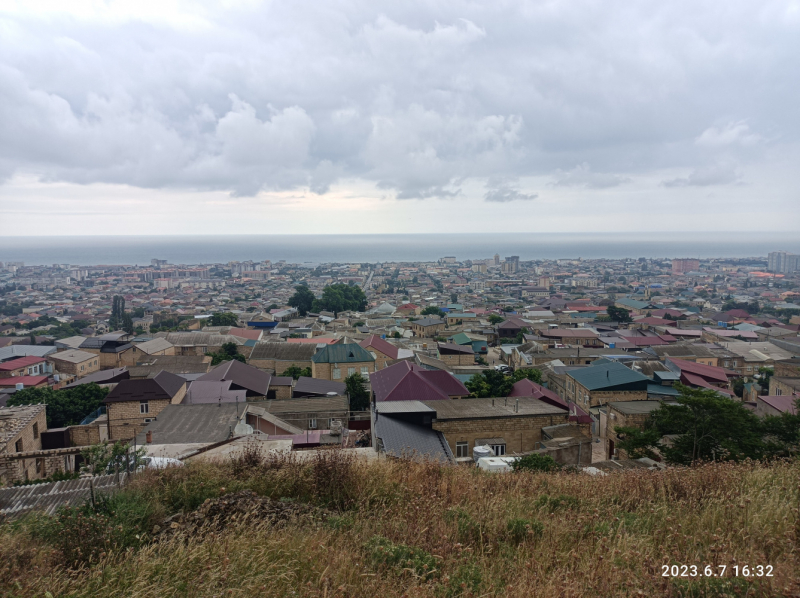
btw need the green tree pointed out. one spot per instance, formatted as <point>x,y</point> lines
<point>296,371</point>
<point>127,323</point>
<point>396,334</point>
<point>529,373</point>
<point>65,407</point>
<point>359,396</point>
<point>341,297</point>
<point>432,310</point>
<point>738,387</point>
<point>117,312</point>
<point>302,300</point>
<point>453,298</point>
<point>765,375</point>
<point>223,319</point>
<point>618,314</point>
<point>535,462</point>
<point>637,443</point>
<point>705,425</point>
<point>489,383</point>
<point>495,319</point>
<point>227,352</point>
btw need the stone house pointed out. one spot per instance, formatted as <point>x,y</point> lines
<point>133,404</point>
<point>788,368</point>
<point>427,327</point>
<point>156,346</point>
<point>75,362</point>
<point>599,384</point>
<point>20,432</point>
<point>780,386</point>
<point>508,425</point>
<point>276,357</point>
<point>381,349</point>
<point>24,366</point>
<point>454,355</point>
<point>255,382</point>
<point>337,362</point>
<point>767,405</point>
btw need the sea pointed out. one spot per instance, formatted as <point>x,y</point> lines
<point>315,249</point>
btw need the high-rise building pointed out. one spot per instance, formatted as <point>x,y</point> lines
<point>782,262</point>
<point>496,259</point>
<point>511,265</point>
<point>682,266</point>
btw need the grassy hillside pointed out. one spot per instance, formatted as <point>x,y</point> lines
<point>339,527</point>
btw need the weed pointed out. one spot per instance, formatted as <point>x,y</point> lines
<point>557,503</point>
<point>520,530</point>
<point>383,552</point>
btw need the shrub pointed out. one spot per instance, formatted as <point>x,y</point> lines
<point>519,530</point>
<point>465,581</point>
<point>535,462</point>
<point>383,552</point>
<point>467,529</point>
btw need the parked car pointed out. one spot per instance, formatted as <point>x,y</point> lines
<point>503,368</point>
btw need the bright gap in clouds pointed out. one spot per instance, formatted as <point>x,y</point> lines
<point>246,116</point>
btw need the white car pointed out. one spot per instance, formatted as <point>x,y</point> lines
<point>502,368</point>
<point>159,462</point>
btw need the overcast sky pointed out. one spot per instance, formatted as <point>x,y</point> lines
<point>159,116</point>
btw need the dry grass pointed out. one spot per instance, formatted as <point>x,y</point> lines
<point>404,529</point>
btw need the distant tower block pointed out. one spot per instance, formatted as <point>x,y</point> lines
<point>496,259</point>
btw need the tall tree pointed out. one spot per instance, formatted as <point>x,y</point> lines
<point>618,314</point>
<point>65,407</point>
<point>302,300</point>
<point>359,396</point>
<point>223,319</point>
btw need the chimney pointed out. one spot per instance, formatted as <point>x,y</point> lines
<point>149,437</point>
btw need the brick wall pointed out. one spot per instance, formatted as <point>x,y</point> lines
<point>125,419</point>
<point>459,359</point>
<point>784,369</point>
<point>621,420</point>
<point>277,365</point>
<point>79,370</point>
<point>25,469</point>
<point>783,387</point>
<point>84,435</point>
<point>520,433</point>
<point>324,371</point>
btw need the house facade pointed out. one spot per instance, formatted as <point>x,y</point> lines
<point>337,362</point>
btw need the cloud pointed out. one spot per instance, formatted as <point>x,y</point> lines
<point>582,176</point>
<point>729,134</point>
<point>503,191</point>
<point>717,174</point>
<point>424,101</point>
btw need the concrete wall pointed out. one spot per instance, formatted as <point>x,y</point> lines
<point>25,469</point>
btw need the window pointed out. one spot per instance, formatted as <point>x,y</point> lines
<point>499,449</point>
<point>337,374</point>
<point>778,392</point>
<point>95,362</point>
<point>35,431</point>
<point>312,423</point>
<point>147,420</point>
<point>18,445</point>
<point>81,368</point>
<point>351,371</point>
<point>144,407</point>
<point>364,370</point>
<point>462,449</point>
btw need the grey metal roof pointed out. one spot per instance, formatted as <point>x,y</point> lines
<point>284,351</point>
<point>73,356</point>
<point>404,439</point>
<point>19,500</point>
<point>403,407</point>
<point>25,351</point>
<point>317,386</point>
<point>102,377</point>
<point>182,424</point>
<point>609,375</point>
<point>636,407</point>
<point>154,346</point>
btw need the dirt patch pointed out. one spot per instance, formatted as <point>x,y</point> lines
<point>236,509</point>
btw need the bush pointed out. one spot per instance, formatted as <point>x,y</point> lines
<point>535,462</point>
<point>467,529</point>
<point>519,530</point>
<point>465,581</point>
<point>382,552</point>
<point>556,503</point>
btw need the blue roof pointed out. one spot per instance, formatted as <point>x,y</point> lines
<point>658,389</point>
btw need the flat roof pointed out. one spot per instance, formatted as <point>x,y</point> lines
<point>483,408</point>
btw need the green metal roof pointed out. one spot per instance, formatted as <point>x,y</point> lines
<point>633,303</point>
<point>350,353</point>
<point>610,376</point>
<point>461,339</point>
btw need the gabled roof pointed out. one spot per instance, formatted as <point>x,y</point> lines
<point>24,380</point>
<point>407,381</point>
<point>22,362</point>
<point>349,353</point>
<point>529,388</point>
<point>253,380</point>
<point>449,348</point>
<point>428,322</point>
<point>102,377</point>
<point>404,439</point>
<point>317,386</point>
<point>283,351</point>
<point>381,345</point>
<point>709,372</point>
<point>609,375</point>
<point>154,346</point>
<point>163,387</point>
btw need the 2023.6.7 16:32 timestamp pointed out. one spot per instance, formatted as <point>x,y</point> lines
<point>716,571</point>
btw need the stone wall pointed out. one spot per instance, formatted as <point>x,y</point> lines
<point>520,433</point>
<point>125,419</point>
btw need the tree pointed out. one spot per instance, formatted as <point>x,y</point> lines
<point>228,352</point>
<point>765,375</point>
<point>535,462</point>
<point>296,371</point>
<point>223,319</point>
<point>618,314</point>
<point>453,298</point>
<point>529,373</point>
<point>495,319</point>
<point>432,310</point>
<point>117,312</point>
<point>341,297</point>
<point>738,387</point>
<point>637,443</point>
<point>359,396</point>
<point>706,426</point>
<point>127,323</point>
<point>489,383</point>
<point>396,334</point>
<point>302,300</point>
<point>65,407</point>
<point>272,306</point>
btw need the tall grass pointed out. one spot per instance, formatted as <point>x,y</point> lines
<point>415,529</point>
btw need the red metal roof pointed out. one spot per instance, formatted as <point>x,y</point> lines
<point>708,372</point>
<point>26,380</point>
<point>406,381</point>
<point>379,344</point>
<point>21,362</point>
